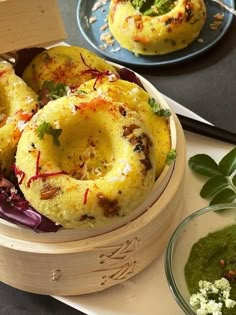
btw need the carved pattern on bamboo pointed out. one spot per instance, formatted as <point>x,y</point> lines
<point>120,264</point>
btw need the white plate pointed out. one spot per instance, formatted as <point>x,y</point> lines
<point>148,292</point>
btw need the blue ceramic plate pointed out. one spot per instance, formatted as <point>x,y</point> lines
<point>92,33</point>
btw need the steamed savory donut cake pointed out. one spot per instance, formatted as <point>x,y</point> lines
<point>85,161</point>
<point>136,99</point>
<point>17,105</point>
<point>156,27</point>
<point>71,65</point>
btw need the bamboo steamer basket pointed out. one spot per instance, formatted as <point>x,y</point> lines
<point>71,262</point>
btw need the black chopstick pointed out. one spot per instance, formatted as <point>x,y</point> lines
<point>207,130</point>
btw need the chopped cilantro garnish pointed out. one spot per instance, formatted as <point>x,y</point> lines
<point>171,156</point>
<point>156,108</point>
<point>51,91</point>
<point>80,92</point>
<point>46,128</point>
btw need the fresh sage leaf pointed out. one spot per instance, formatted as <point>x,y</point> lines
<point>203,164</point>
<point>214,185</point>
<point>228,164</point>
<point>224,196</point>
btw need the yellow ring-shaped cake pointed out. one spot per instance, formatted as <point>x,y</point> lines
<point>17,105</point>
<point>159,34</point>
<point>71,65</point>
<point>85,161</point>
<point>136,99</point>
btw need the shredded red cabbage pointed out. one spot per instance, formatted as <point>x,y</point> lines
<point>24,57</point>
<point>14,208</point>
<point>129,75</point>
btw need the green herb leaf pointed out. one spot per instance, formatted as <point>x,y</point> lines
<point>224,196</point>
<point>51,91</point>
<point>46,128</point>
<point>156,108</point>
<point>234,180</point>
<point>80,92</point>
<point>171,156</point>
<point>221,187</point>
<point>203,164</point>
<point>228,164</point>
<point>214,185</point>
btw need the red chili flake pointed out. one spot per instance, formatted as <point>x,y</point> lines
<point>3,72</point>
<point>42,175</point>
<point>25,116</point>
<point>98,74</point>
<point>188,10</point>
<point>77,107</point>
<point>19,172</point>
<point>138,20</point>
<point>86,196</point>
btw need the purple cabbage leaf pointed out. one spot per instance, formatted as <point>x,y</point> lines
<point>14,208</point>
<point>128,75</point>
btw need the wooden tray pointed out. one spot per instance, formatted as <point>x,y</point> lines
<point>38,20</point>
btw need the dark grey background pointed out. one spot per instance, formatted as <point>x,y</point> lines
<point>205,85</point>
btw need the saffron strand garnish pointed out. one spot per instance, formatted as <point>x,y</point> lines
<point>86,196</point>
<point>19,173</point>
<point>42,175</point>
<point>37,163</point>
<point>98,74</point>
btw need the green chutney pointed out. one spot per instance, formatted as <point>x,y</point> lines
<point>212,258</point>
<point>153,7</point>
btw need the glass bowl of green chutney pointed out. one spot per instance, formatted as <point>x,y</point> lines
<point>200,261</point>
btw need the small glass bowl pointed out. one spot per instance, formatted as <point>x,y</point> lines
<point>197,225</point>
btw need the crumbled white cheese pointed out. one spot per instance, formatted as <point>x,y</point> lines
<point>124,171</point>
<point>114,50</point>
<point>21,125</point>
<point>92,19</point>
<point>28,100</point>
<point>126,167</point>
<point>221,288</point>
<point>57,124</point>
<point>72,108</point>
<point>135,90</point>
<point>99,91</point>
<point>103,27</point>
<point>107,38</point>
<point>112,77</point>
